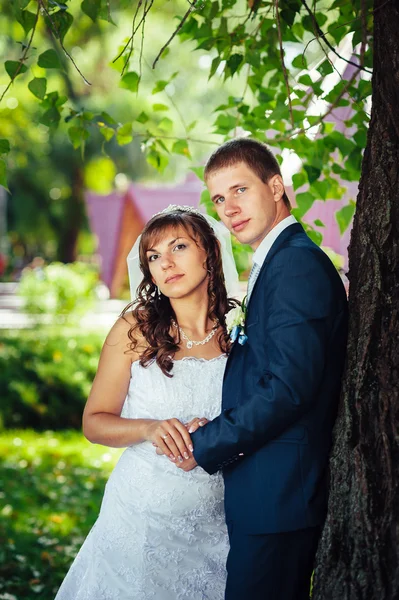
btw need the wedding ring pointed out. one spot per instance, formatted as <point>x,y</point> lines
<point>165,436</point>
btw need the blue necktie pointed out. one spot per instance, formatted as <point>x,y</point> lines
<point>253,276</point>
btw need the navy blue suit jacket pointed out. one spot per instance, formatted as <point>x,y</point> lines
<point>281,392</point>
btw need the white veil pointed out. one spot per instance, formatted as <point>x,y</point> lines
<point>223,236</point>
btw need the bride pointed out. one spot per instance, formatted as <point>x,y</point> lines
<point>161,532</point>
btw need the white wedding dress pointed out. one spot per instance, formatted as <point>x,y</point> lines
<point>161,533</point>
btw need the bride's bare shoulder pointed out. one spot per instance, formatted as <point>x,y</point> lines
<point>119,337</point>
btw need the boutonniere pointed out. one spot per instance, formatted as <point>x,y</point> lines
<point>235,323</point>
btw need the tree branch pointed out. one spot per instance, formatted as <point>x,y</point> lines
<point>321,119</point>
<point>130,40</point>
<point>184,19</point>
<point>285,72</point>
<point>57,35</point>
<point>321,34</point>
<point>24,54</point>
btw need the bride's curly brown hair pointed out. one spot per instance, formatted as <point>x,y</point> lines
<point>153,313</point>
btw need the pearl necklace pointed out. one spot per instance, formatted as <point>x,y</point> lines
<point>191,343</point>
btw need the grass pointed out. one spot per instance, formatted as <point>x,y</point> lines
<point>51,489</point>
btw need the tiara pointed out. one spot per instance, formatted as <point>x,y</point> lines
<point>174,207</point>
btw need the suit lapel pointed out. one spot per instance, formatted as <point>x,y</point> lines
<point>282,238</point>
<point>284,235</point>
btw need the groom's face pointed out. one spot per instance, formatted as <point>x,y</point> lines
<point>249,207</point>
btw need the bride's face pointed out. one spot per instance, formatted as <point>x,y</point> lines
<point>178,264</point>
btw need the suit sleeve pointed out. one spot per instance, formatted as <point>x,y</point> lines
<point>298,300</point>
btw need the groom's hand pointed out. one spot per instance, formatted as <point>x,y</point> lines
<point>187,465</point>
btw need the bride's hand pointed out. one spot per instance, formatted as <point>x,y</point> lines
<point>171,438</point>
<point>195,423</point>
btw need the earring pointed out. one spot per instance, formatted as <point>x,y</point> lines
<point>159,292</point>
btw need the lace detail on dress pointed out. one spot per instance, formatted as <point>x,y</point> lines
<point>161,533</point>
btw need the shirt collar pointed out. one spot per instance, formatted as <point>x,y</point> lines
<point>263,249</point>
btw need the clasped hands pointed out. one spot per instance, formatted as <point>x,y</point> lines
<point>172,438</point>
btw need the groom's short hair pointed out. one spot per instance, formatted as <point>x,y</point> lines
<point>253,153</point>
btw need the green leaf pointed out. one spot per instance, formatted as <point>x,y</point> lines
<point>234,63</point>
<point>206,201</point>
<point>199,171</point>
<point>345,145</point>
<point>325,68</point>
<point>49,60</point>
<point>181,147</point>
<point>315,236</point>
<point>51,117</point>
<point>107,132</point>
<point>300,62</point>
<point>319,223</point>
<point>124,134</point>
<point>306,80</point>
<point>14,68</point>
<point>61,21</point>
<point>360,138</point>
<point>91,8</point>
<point>104,116</point>
<point>288,16</point>
<point>27,20</point>
<point>78,135</point>
<point>304,202</point>
<point>298,180</point>
<point>159,86</point>
<point>166,124</point>
<point>344,216</point>
<point>321,188</point>
<point>130,81</point>
<point>157,160</point>
<point>38,87</point>
<point>225,123</point>
<point>159,107</point>
<point>4,146</point>
<point>215,63</point>
<point>3,173</point>
<point>312,172</point>
<point>142,118</point>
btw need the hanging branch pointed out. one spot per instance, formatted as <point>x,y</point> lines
<point>56,34</point>
<point>130,40</point>
<point>322,117</point>
<point>24,55</point>
<point>285,72</point>
<point>184,19</point>
<point>321,34</point>
<point>142,47</point>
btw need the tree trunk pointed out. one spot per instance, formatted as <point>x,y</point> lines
<point>359,550</point>
<point>74,220</point>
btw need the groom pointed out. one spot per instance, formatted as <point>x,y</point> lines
<point>281,388</point>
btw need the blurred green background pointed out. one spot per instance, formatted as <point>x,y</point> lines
<point>61,137</point>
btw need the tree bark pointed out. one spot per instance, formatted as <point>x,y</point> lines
<point>74,220</point>
<point>359,550</point>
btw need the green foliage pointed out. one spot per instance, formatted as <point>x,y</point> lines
<point>264,93</point>
<point>52,485</point>
<point>344,216</point>
<point>45,376</point>
<point>59,291</point>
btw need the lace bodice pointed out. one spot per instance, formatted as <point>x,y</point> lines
<point>161,532</point>
<point>191,391</point>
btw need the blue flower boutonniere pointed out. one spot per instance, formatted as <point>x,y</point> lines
<point>235,323</point>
